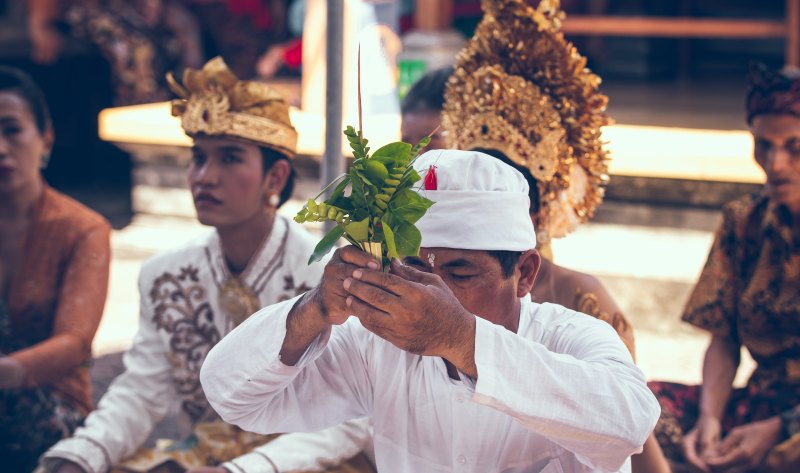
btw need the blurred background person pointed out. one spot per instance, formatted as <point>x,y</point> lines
<point>142,40</point>
<point>748,295</point>
<point>422,107</point>
<point>251,35</point>
<point>54,265</point>
<point>285,57</point>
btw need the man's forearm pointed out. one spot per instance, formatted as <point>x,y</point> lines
<point>462,353</point>
<point>303,325</point>
<point>719,370</point>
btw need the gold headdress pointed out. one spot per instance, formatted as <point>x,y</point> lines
<point>213,101</point>
<point>520,88</point>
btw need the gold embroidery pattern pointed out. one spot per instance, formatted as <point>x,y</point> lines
<point>237,300</point>
<point>181,309</point>
<point>588,303</point>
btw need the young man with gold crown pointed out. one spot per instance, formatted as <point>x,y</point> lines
<point>192,296</point>
<point>458,368</point>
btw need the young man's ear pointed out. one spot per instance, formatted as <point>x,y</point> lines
<point>277,176</point>
<point>527,268</point>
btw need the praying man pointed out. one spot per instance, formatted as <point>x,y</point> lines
<point>457,367</point>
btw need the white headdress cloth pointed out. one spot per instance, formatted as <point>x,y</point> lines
<point>481,203</point>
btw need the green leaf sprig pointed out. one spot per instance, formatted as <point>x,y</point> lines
<point>379,212</point>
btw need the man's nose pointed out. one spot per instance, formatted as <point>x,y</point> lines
<point>208,173</point>
<point>779,160</point>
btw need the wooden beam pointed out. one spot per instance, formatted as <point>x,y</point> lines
<point>677,27</point>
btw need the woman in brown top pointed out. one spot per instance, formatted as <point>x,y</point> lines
<point>54,262</point>
<point>748,295</point>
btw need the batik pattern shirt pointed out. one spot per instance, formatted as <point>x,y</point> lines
<point>749,290</point>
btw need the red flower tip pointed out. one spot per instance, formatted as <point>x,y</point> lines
<point>430,179</point>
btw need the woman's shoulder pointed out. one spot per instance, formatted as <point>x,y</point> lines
<point>76,218</point>
<point>589,296</point>
<point>575,282</point>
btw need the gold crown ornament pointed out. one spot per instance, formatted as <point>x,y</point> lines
<point>520,88</point>
<point>213,101</point>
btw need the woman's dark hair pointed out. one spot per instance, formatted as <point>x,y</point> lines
<point>269,157</point>
<point>427,93</point>
<point>15,81</point>
<point>533,189</point>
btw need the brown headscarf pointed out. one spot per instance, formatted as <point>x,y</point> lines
<point>773,92</point>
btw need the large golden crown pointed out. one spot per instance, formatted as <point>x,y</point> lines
<point>520,88</point>
<point>213,101</point>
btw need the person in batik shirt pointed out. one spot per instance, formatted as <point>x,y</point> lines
<point>748,295</point>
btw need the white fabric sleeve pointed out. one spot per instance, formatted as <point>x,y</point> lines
<point>581,390</point>
<point>303,452</point>
<point>126,414</point>
<point>247,384</point>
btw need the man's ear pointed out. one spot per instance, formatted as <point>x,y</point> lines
<point>527,268</point>
<point>277,176</point>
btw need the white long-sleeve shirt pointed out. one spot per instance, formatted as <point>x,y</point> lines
<point>560,395</point>
<point>182,317</point>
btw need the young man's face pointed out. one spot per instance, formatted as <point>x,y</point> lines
<point>227,180</point>
<point>777,151</point>
<point>477,280</point>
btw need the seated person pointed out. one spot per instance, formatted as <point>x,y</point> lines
<point>748,295</point>
<point>54,263</point>
<point>192,296</point>
<point>454,363</point>
<point>140,39</point>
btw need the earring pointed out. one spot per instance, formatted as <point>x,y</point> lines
<point>45,160</point>
<point>274,200</point>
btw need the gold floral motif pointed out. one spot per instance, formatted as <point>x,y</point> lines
<point>588,303</point>
<point>181,309</point>
<point>519,87</point>
<point>237,300</point>
<point>213,101</point>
